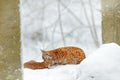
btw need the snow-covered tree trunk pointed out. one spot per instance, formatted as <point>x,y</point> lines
<point>111,21</point>
<point>9,40</point>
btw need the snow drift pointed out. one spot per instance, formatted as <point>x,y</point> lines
<point>103,64</point>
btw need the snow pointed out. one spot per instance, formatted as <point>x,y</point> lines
<point>102,64</point>
<point>66,72</point>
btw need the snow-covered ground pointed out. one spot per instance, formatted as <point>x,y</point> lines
<point>102,64</point>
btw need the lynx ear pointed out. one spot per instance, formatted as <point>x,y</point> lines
<point>42,51</point>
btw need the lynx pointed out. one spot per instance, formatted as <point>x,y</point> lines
<point>59,56</point>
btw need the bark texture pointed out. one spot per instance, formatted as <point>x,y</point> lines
<point>9,40</point>
<point>111,21</point>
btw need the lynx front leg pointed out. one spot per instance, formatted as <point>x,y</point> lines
<point>35,65</point>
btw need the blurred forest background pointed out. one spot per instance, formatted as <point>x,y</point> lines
<point>48,24</point>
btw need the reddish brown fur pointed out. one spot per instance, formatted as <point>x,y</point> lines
<point>35,65</point>
<point>60,56</point>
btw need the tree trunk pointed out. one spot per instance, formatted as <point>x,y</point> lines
<point>111,21</point>
<point>9,40</point>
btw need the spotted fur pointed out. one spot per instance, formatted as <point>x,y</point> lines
<point>59,56</point>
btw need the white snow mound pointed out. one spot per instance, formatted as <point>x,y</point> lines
<point>103,64</point>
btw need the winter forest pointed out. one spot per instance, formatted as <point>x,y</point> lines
<point>92,25</point>
<point>49,24</point>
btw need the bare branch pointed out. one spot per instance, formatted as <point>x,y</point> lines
<point>90,26</point>
<point>63,5</point>
<point>60,22</point>
<point>53,32</point>
<point>42,22</point>
<point>93,25</point>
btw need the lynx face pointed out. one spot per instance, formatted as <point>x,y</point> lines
<point>46,57</point>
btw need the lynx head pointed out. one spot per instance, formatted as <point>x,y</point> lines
<point>46,56</point>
